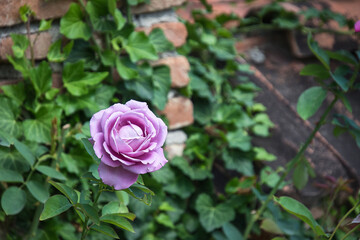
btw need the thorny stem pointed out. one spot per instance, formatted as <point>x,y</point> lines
<point>289,167</point>
<point>343,219</point>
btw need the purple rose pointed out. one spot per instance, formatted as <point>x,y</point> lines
<point>128,140</point>
<point>357,26</point>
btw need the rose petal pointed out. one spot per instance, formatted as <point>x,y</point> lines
<point>101,152</point>
<point>117,177</point>
<point>115,157</point>
<point>133,104</point>
<point>95,123</point>
<point>116,108</point>
<point>158,158</point>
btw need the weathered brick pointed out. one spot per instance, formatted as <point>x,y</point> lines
<point>156,5</point>
<point>175,32</point>
<point>9,11</point>
<point>41,45</point>
<point>179,68</point>
<point>174,150</point>
<point>179,111</point>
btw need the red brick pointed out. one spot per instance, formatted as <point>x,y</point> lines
<point>156,5</point>
<point>9,11</point>
<point>179,111</point>
<point>175,32</point>
<point>41,45</point>
<point>179,68</point>
<point>249,43</point>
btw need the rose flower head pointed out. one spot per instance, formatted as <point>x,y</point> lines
<point>357,26</point>
<point>128,139</point>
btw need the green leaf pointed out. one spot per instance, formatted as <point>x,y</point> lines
<point>224,49</point>
<point>45,25</point>
<point>51,172</point>
<point>25,13</point>
<point>339,77</point>
<point>343,56</point>
<point>69,163</point>
<point>15,92</point>
<point>211,216</point>
<point>38,190</point>
<point>238,161</point>
<point>20,44</point>
<point>297,209</point>
<point>66,190</point>
<point>239,140</point>
<point>165,220</point>
<point>117,220</point>
<point>310,101</point>
<point>105,229</point>
<point>139,47</point>
<point>5,139</point>
<point>162,82</point>
<point>20,64</point>
<point>7,175</point>
<point>125,69</point>
<point>11,159</point>
<point>231,232</point>
<point>54,206</point>
<point>108,57</point>
<point>39,129</point>
<point>193,172</point>
<point>318,52</point>
<point>13,200</point>
<point>159,41</point>
<point>141,193</point>
<point>40,77</point>
<point>72,24</point>
<point>262,155</point>
<point>315,70</point>
<point>25,152</point>
<point>300,176</point>
<point>77,81</point>
<point>8,122</point>
<point>91,212</point>
<point>90,150</point>
<point>55,54</point>
<point>50,95</point>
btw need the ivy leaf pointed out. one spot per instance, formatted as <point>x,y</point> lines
<point>11,159</point>
<point>55,54</point>
<point>310,101</point>
<point>139,47</point>
<point>13,200</point>
<point>162,82</point>
<point>40,77</point>
<point>238,161</point>
<point>224,49</point>
<point>8,122</point>
<point>54,206</point>
<point>20,44</point>
<point>99,16</point>
<point>165,220</point>
<point>296,208</point>
<point>239,140</point>
<point>193,172</point>
<point>72,24</point>
<point>38,190</point>
<point>39,129</point>
<point>159,41</point>
<point>213,216</point>
<point>45,25</point>
<point>126,69</point>
<point>77,81</point>
<point>20,64</point>
<point>231,232</point>
<point>15,92</point>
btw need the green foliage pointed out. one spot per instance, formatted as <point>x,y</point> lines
<point>310,101</point>
<point>13,200</point>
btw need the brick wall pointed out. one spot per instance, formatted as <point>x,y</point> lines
<point>156,14</point>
